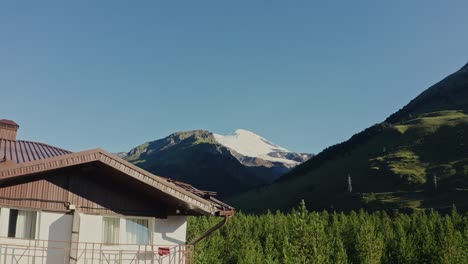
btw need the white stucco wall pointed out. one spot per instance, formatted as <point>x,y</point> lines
<point>53,232</point>
<point>90,228</point>
<point>170,231</point>
<point>49,225</point>
<point>4,213</point>
<point>53,227</point>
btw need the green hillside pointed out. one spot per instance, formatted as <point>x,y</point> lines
<point>417,158</point>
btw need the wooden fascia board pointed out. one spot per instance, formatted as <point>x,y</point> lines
<point>113,161</point>
<point>155,181</point>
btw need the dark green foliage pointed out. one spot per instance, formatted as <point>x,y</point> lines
<point>312,237</point>
<point>337,151</point>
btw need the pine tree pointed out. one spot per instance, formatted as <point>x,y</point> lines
<point>402,247</point>
<point>338,252</point>
<point>269,250</point>
<point>312,237</point>
<point>451,244</point>
<point>369,244</point>
<point>250,252</point>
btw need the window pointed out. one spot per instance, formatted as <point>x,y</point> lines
<point>111,230</point>
<point>22,224</point>
<point>137,231</point>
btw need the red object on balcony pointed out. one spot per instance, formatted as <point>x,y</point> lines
<point>164,251</point>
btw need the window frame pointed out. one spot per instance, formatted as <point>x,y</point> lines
<point>119,233</point>
<point>36,223</point>
<point>150,228</point>
<point>123,228</point>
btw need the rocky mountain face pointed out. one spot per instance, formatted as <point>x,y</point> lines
<point>417,158</point>
<point>226,164</point>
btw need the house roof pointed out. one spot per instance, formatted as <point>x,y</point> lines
<point>20,151</point>
<point>8,122</point>
<point>24,158</point>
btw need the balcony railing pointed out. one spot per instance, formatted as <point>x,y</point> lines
<point>21,251</point>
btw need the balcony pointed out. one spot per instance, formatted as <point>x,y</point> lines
<point>22,251</point>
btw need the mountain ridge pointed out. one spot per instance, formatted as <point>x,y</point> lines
<point>196,157</point>
<point>392,164</point>
<point>437,98</point>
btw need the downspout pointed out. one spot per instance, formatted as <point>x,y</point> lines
<point>75,234</point>
<point>226,215</point>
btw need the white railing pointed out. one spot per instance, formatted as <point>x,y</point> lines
<point>21,251</point>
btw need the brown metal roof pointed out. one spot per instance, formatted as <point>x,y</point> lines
<point>26,157</point>
<point>8,122</point>
<point>190,188</point>
<point>20,151</point>
<point>208,195</point>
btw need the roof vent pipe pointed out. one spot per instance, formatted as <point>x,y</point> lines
<point>8,129</point>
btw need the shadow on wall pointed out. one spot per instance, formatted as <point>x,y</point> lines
<point>59,240</point>
<point>171,230</point>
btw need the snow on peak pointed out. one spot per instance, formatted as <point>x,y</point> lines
<point>241,131</point>
<point>250,144</point>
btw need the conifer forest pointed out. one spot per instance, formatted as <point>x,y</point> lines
<point>303,236</point>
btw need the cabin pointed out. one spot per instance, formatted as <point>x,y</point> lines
<point>57,207</point>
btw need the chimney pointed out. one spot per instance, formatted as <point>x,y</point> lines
<point>8,129</point>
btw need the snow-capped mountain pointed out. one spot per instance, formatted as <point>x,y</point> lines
<point>229,164</point>
<point>249,144</point>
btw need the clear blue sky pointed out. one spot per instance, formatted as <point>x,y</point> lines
<point>304,74</point>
